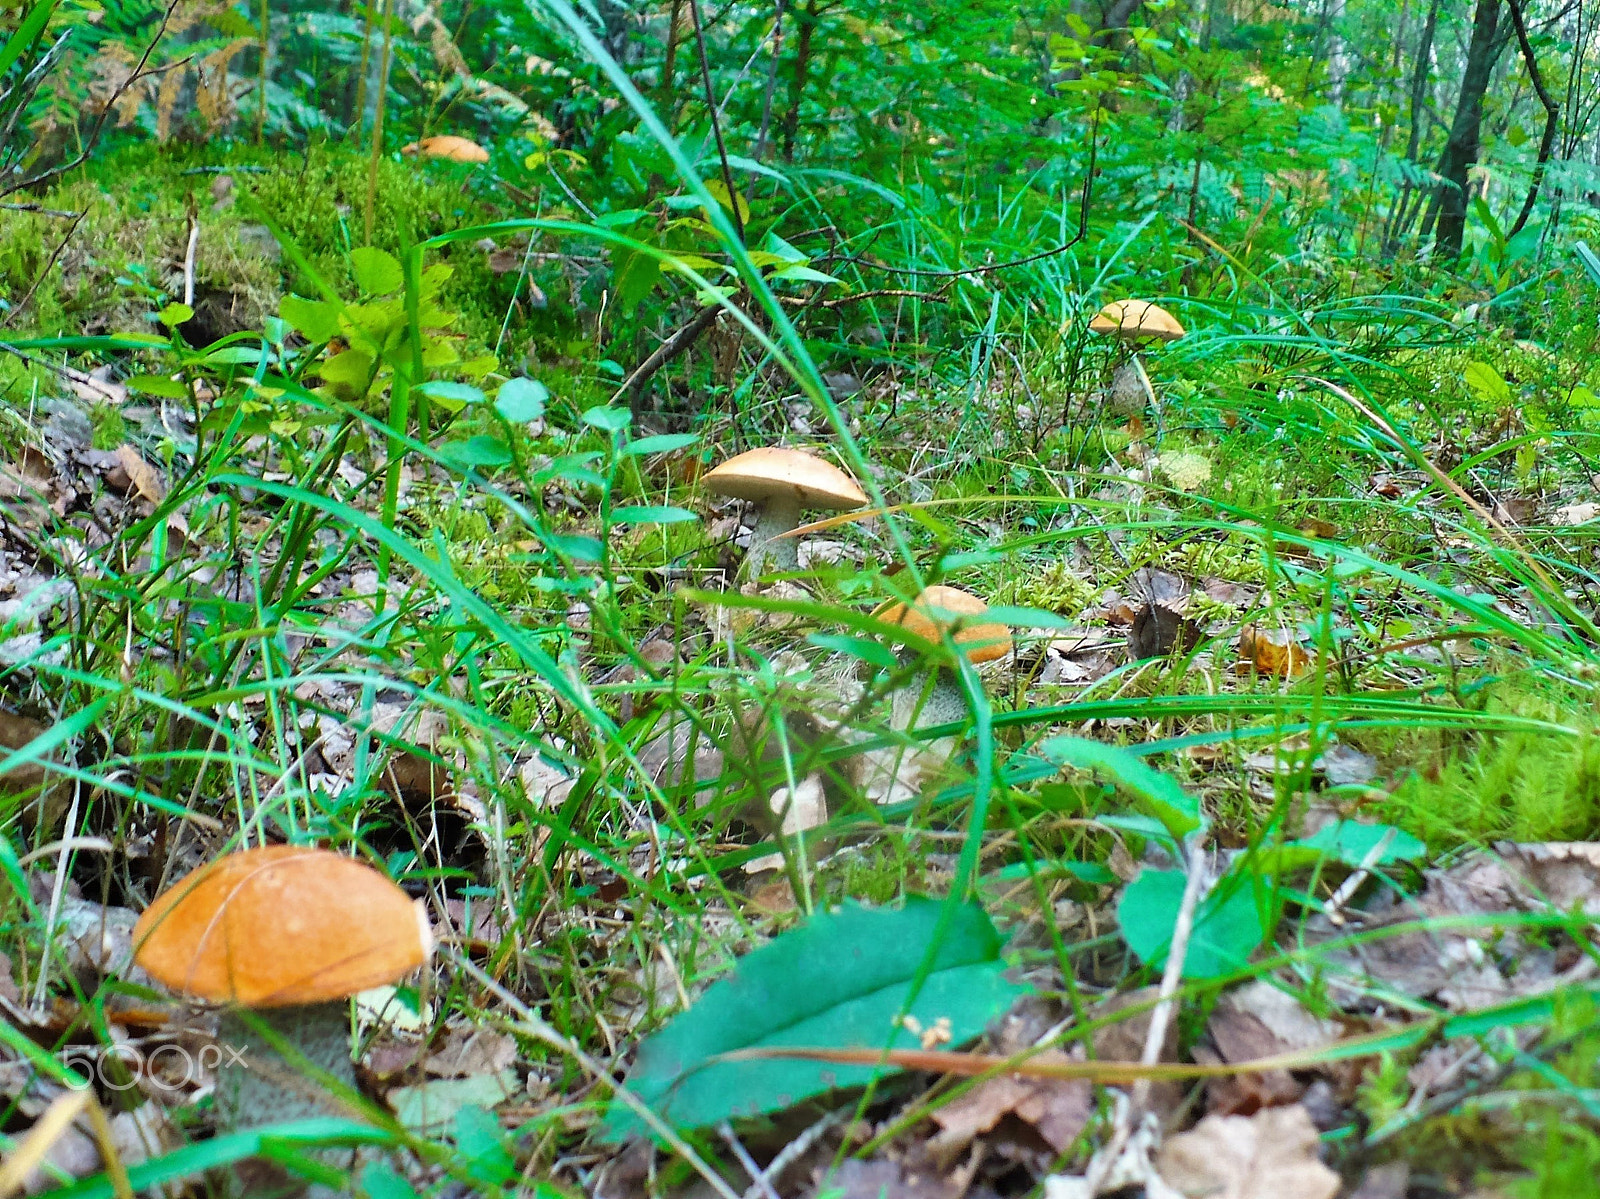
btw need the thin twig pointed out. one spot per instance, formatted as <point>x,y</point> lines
<point>1352,884</point>
<point>41,210</point>
<point>43,274</point>
<point>762,1185</point>
<point>188,259</point>
<point>716,125</point>
<point>680,341</point>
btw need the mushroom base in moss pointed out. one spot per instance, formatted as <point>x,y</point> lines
<point>256,1084</point>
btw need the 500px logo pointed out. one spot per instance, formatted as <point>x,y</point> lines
<point>171,1067</point>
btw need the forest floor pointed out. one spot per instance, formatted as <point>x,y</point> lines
<point>1302,681</point>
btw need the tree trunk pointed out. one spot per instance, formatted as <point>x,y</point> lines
<point>806,19</point>
<point>1552,116</point>
<point>1403,209</point>
<point>1461,150</point>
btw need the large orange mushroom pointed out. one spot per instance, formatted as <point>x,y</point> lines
<point>283,936</point>
<point>781,483</point>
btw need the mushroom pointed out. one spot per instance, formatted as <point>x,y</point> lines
<point>1134,321</point>
<point>290,933</point>
<point>781,482</point>
<point>936,611</point>
<point>448,146</point>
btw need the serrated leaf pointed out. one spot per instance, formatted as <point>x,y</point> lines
<point>377,272</point>
<point>1177,810</point>
<point>1227,923</point>
<point>521,400</point>
<point>641,514</point>
<point>839,981</point>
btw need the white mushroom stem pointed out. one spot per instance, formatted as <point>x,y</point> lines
<point>925,703</point>
<point>256,1084</point>
<point>774,515</point>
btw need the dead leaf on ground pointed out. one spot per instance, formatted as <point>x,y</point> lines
<point>1273,653</point>
<point>142,479</point>
<point>1256,1021</point>
<point>466,1051</point>
<point>1159,632</point>
<point>1057,1109</point>
<point>1565,873</point>
<point>1270,1155</point>
<point>882,1178</point>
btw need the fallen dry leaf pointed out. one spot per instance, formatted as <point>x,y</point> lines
<point>466,1051</point>
<point>1159,632</point>
<point>1058,1109</point>
<point>1272,653</point>
<point>143,479</point>
<point>1256,1021</point>
<point>1565,873</point>
<point>1270,1155</point>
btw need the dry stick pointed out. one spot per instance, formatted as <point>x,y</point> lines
<point>680,341</point>
<point>533,1025</point>
<point>41,210</point>
<point>760,1182</point>
<point>188,260</point>
<point>1171,977</point>
<point>1352,884</point>
<point>772,82</point>
<point>57,889</point>
<point>716,125</point>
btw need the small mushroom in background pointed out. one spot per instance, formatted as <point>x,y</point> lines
<point>782,483</point>
<point>936,611</point>
<point>449,147</point>
<point>288,933</point>
<point>1133,322</point>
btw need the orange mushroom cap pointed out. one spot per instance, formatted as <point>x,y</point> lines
<point>448,145</point>
<point>939,608</point>
<point>1133,320</point>
<point>280,926</point>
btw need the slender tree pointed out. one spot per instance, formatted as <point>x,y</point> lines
<point>1448,214</point>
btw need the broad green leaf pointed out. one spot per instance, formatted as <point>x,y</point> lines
<point>314,320</point>
<point>661,443</point>
<point>174,315</point>
<point>452,397</point>
<point>612,420</point>
<point>480,1141</point>
<point>233,356</point>
<point>576,545</point>
<point>1171,804</point>
<point>651,515</point>
<point>379,1180</point>
<point>634,276</point>
<point>350,369</point>
<point>521,400</point>
<point>1487,382</point>
<point>377,272</point>
<point>431,1107</point>
<point>873,653</point>
<point>839,981</point>
<point>475,452</point>
<point>1350,841</point>
<point>159,385</point>
<point>803,274</point>
<point>1227,923</point>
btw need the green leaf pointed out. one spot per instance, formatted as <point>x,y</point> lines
<point>1350,841</point>
<point>348,368</point>
<point>873,653</point>
<point>380,1181</point>
<point>159,385</point>
<point>646,515</point>
<point>174,315</point>
<point>803,274</point>
<point>452,397</point>
<point>839,980</point>
<point>479,1140</point>
<point>27,33</point>
<point>1025,618</point>
<point>612,420</point>
<point>661,443</point>
<point>1487,383</point>
<point>377,272</point>
<point>634,276</point>
<point>314,320</point>
<point>475,452</point>
<point>1168,802</point>
<point>521,400</point>
<point>1227,923</point>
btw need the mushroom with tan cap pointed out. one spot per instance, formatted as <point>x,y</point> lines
<point>1134,322</point>
<point>937,611</point>
<point>289,933</point>
<point>449,147</point>
<point>782,483</point>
